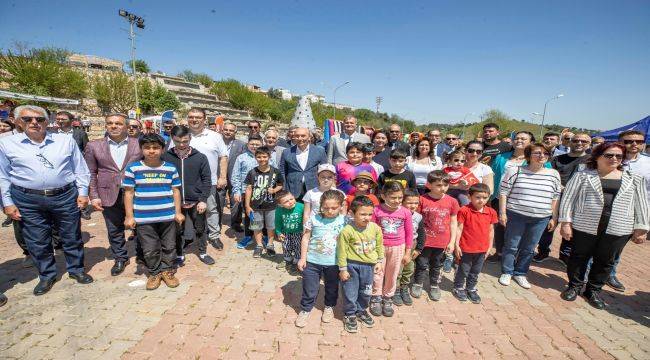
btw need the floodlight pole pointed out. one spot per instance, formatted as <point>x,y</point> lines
<point>135,73</point>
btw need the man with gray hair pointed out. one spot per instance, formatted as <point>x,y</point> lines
<point>271,139</point>
<point>234,147</point>
<point>336,150</point>
<point>288,142</point>
<point>44,183</point>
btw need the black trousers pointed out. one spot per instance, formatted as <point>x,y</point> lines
<point>311,284</point>
<point>236,208</point>
<point>546,240</point>
<point>114,218</point>
<point>603,248</point>
<point>499,230</point>
<point>194,227</point>
<point>467,271</point>
<point>158,241</point>
<point>431,259</point>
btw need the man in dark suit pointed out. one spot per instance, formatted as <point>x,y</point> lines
<point>299,164</point>
<point>395,137</point>
<point>107,158</point>
<point>336,149</point>
<point>235,148</point>
<point>64,120</point>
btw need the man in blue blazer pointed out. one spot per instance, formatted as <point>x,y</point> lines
<point>299,164</point>
<point>439,147</point>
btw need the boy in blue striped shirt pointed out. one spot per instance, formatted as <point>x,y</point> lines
<point>152,201</point>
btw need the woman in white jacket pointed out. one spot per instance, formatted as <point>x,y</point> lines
<point>601,209</point>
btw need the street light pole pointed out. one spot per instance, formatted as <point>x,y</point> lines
<point>338,87</point>
<point>139,22</point>
<point>541,129</point>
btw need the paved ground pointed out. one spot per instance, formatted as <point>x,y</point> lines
<point>244,308</point>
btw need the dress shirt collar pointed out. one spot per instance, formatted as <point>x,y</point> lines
<point>298,151</point>
<point>111,141</point>
<point>24,138</point>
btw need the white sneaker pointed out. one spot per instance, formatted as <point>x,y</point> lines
<point>328,314</point>
<point>301,320</point>
<point>522,281</point>
<point>504,279</point>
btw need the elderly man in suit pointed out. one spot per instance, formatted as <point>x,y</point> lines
<point>271,137</point>
<point>106,159</point>
<point>336,149</point>
<point>235,148</point>
<point>299,164</point>
<point>438,147</point>
<point>395,137</point>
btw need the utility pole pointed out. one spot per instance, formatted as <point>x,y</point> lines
<point>378,100</point>
<point>139,22</point>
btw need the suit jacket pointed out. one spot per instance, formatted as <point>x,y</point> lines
<point>106,176</point>
<point>405,147</point>
<point>238,147</point>
<point>278,153</point>
<point>293,173</point>
<point>442,150</point>
<point>336,149</point>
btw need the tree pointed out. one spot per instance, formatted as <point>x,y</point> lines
<point>156,99</point>
<point>201,78</point>
<point>41,72</point>
<point>141,66</point>
<point>274,93</point>
<point>114,92</point>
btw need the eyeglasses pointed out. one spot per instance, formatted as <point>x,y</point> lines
<point>540,154</point>
<point>134,127</point>
<point>474,151</point>
<point>576,141</point>
<point>29,119</point>
<point>613,156</point>
<point>45,161</point>
<point>367,182</point>
<point>434,135</point>
<point>635,142</point>
<point>394,131</point>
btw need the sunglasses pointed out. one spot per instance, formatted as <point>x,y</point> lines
<point>474,151</point>
<point>253,127</point>
<point>635,142</point>
<point>540,154</point>
<point>462,161</point>
<point>613,156</point>
<point>394,131</point>
<point>451,139</point>
<point>28,119</point>
<point>134,127</point>
<point>45,161</point>
<point>578,141</point>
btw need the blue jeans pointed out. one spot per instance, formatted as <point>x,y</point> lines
<point>311,285</point>
<point>520,239</point>
<point>358,289</point>
<point>40,215</point>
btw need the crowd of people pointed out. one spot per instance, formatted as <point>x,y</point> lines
<point>369,213</point>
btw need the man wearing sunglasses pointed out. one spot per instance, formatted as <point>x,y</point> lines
<point>254,127</point>
<point>135,128</point>
<point>565,146</point>
<point>566,165</point>
<point>44,183</point>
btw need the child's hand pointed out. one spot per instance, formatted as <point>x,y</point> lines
<point>302,263</point>
<point>237,197</point>
<point>458,253</point>
<point>344,275</point>
<point>378,267</point>
<point>129,222</point>
<point>450,248</point>
<point>415,254</point>
<point>249,209</point>
<point>179,218</point>
<point>406,259</point>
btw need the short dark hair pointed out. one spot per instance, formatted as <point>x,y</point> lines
<point>179,131</point>
<point>410,193</point>
<point>551,133</point>
<point>282,193</point>
<point>360,201</point>
<point>151,139</point>
<point>529,150</point>
<point>491,125</point>
<point>263,150</point>
<point>8,122</point>
<point>436,176</point>
<point>66,113</point>
<point>255,136</point>
<point>397,154</point>
<point>197,109</point>
<point>354,145</point>
<point>368,148</point>
<point>530,135</point>
<point>391,187</point>
<point>474,142</point>
<point>630,132</point>
<point>479,188</point>
<point>380,131</point>
<point>598,151</point>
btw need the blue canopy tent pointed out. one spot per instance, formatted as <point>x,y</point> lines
<point>642,125</point>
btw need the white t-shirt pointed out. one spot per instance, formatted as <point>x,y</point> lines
<point>480,170</point>
<point>421,171</point>
<point>640,166</point>
<point>312,197</point>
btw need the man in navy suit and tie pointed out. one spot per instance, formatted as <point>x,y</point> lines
<point>299,164</point>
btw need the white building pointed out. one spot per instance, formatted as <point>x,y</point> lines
<point>315,98</point>
<point>286,94</point>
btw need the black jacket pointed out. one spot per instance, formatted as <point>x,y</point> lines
<point>194,172</point>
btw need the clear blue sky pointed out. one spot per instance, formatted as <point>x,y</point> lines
<point>432,61</point>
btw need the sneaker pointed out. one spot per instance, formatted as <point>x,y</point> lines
<point>179,262</point>
<point>27,261</point>
<point>244,242</point>
<point>206,259</point>
<point>416,290</point>
<point>406,297</point>
<point>301,320</point>
<point>8,221</point>
<point>328,314</point>
<point>257,252</point>
<point>283,265</point>
<point>387,308</point>
<point>397,298</point>
<point>153,282</point>
<point>366,319</point>
<point>448,264</point>
<point>217,244</point>
<point>459,294</point>
<point>494,258</point>
<point>540,257</point>
<point>350,324</point>
<point>169,279</point>
<point>522,281</point>
<point>472,295</point>
<point>270,249</point>
<point>375,306</point>
<point>434,293</point>
<point>504,279</point>
<point>615,284</point>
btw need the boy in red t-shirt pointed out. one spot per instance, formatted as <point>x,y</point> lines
<point>474,238</point>
<point>438,212</point>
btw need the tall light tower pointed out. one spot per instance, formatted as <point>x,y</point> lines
<point>378,101</point>
<point>338,87</point>
<point>541,128</point>
<point>139,22</point>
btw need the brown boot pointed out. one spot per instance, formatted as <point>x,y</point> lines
<point>169,279</point>
<point>153,282</point>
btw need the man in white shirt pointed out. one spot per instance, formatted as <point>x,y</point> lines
<point>210,144</point>
<point>336,150</point>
